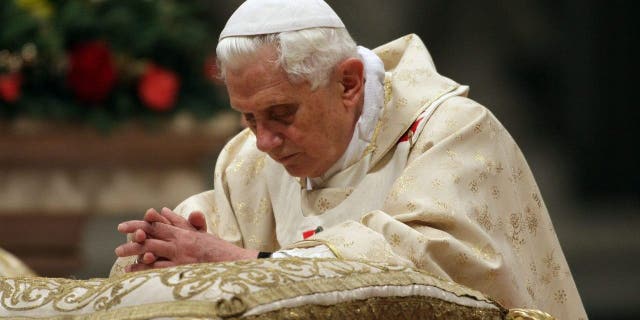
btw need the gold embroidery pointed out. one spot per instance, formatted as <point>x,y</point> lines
<point>532,220</point>
<point>537,200</point>
<point>411,206</point>
<point>263,207</point>
<point>515,220</point>
<point>528,314</point>
<point>499,168</point>
<point>413,257</point>
<point>495,192</point>
<point>473,186</point>
<point>241,284</point>
<point>400,186</point>
<point>451,154</point>
<point>412,307</point>
<point>516,175</point>
<point>477,128</point>
<point>237,165</point>
<point>428,145</point>
<point>462,259</point>
<point>394,240</point>
<point>531,291</point>
<point>388,93</point>
<point>401,103</point>
<point>551,264</point>
<point>323,204</point>
<point>441,205</point>
<point>254,170</point>
<point>482,217</point>
<point>437,184</point>
<point>479,157</point>
<point>450,123</point>
<point>560,296</point>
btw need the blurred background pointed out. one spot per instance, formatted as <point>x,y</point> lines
<point>83,148</point>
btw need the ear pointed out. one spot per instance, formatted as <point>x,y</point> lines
<point>350,74</point>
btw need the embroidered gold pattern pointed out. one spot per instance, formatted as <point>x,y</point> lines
<point>462,259</point>
<point>323,204</point>
<point>515,236</point>
<point>254,169</point>
<point>237,165</point>
<point>560,296</point>
<point>536,199</point>
<point>401,186</point>
<point>473,186</point>
<point>401,103</point>
<point>451,154</point>
<point>532,220</point>
<point>242,284</point>
<point>495,192</point>
<point>482,217</point>
<point>394,240</point>
<point>388,92</point>
<point>528,314</point>
<point>516,175</point>
<point>385,308</point>
<point>551,264</point>
<point>477,128</point>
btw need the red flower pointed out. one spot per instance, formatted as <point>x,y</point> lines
<point>10,86</point>
<point>158,88</point>
<point>92,72</point>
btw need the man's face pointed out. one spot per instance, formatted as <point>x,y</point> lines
<point>305,131</point>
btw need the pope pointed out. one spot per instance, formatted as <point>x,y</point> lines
<point>354,153</point>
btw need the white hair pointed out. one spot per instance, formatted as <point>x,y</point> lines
<point>308,54</point>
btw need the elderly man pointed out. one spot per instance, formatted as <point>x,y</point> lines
<point>360,154</point>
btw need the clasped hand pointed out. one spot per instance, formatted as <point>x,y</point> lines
<point>165,239</point>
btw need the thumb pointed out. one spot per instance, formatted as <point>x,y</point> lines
<point>198,221</point>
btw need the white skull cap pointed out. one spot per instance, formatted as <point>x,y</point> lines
<point>256,17</point>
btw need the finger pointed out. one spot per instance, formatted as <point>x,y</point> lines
<point>130,249</point>
<point>148,258</point>
<point>160,248</point>
<point>133,225</point>
<point>137,267</point>
<point>139,236</point>
<point>164,264</point>
<point>153,216</point>
<point>176,219</point>
<point>165,232</point>
<point>198,221</point>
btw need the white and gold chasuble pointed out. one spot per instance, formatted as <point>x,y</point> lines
<point>451,194</point>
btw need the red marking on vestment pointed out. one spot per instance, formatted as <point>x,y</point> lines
<point>412,129</point>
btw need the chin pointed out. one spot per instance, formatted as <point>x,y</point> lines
<point>301,171</point>
<point>297,172</point>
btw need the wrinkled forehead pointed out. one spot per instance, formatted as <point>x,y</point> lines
<point>242,58</point>
<point>258,85</point>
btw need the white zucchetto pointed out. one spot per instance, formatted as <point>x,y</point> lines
<point>256,17</point>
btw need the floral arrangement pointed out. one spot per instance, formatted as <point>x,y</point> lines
<point>106,62</point>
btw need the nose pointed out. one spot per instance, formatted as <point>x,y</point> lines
<point>266,138</point>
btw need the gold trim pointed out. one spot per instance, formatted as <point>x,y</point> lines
<point>399,277</point>
<point>415,307</point>
<point>528,314</point>
<point>243,284</point>
<point>197,309</point>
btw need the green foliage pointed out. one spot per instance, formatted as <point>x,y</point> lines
<point>176,35</point>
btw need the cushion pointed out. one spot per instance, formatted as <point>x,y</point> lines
<point>289,288</point>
